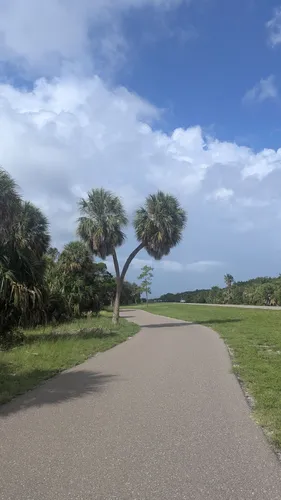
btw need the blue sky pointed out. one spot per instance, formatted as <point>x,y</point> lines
<point>141,95</point>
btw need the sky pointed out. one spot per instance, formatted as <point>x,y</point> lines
<point>140,95</point>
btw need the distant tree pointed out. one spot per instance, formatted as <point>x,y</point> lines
<point>213,295</point>
<point>256,291</point>
<point>237,295</point>
<point>130,293</point>
<point>229,280</point>
<point>146,281</point>
<point>135,291</point>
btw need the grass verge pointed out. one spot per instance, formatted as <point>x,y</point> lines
<point>47,351</point>
<point>254,337</point>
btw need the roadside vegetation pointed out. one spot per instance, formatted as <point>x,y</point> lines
<point>51,300</point>
<point>49,350</point>
<point>254,338</point>
<point>264,291</point>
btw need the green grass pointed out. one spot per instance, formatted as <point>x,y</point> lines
<point>254,337</point>
<point>47,351</point>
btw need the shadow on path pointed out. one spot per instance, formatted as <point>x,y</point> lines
<point>63,387</point>
<point>187,323</point>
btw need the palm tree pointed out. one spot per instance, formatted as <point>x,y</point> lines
<point>32,241</point>
<point>24,239</point>
<point>10,204</point>
<point>158,226</point>
<point>75,277</point>
<point>75,257</point>
<point>229,280</point>
<point>103,218</point>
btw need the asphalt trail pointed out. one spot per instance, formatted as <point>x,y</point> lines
<point>160,417</point>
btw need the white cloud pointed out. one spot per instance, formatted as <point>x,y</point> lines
<point>265,89</point>
<point>137,264</point>
<point>274,28</point>
<point>262,164</point>
<point>164,265</point>
<point>222,194</point>
<point>203,266</point>
<point>68,135</point>
<point>62,136</point>
<point>172,266</point>
<point>41,35</point>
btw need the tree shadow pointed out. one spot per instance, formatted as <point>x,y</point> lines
<point>187,323</point>
<point>65,386</point>
<point>218,321</point>
<point>165,325</point>
<point>82,335</point>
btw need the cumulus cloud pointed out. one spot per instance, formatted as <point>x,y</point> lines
<point>265,89</point>
<point>221,194</point>
<point>274,28</point>
<point>41,35</point>
<point>65,136</point>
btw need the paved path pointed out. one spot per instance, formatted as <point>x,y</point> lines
<point>160,417</point>
<point>271,308</point>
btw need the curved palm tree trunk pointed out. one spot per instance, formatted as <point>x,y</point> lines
<point>116,308</point>
<point>120,280</point>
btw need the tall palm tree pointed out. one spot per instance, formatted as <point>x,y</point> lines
<point>158,226</point>
<point>100,226</point>
<point>229,280</point>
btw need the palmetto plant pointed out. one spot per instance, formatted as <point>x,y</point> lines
<point>77,277</point>
<point>10,203</point>
<point>24,239</point>
<point>159,225</point>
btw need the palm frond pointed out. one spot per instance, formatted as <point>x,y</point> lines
<point>102,219</point>
<point>160,223</point>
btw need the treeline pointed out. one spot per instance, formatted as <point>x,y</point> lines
<point>39,284</point>
<point>263,291</point>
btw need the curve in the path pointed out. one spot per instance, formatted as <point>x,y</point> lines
<point>160,417</point>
